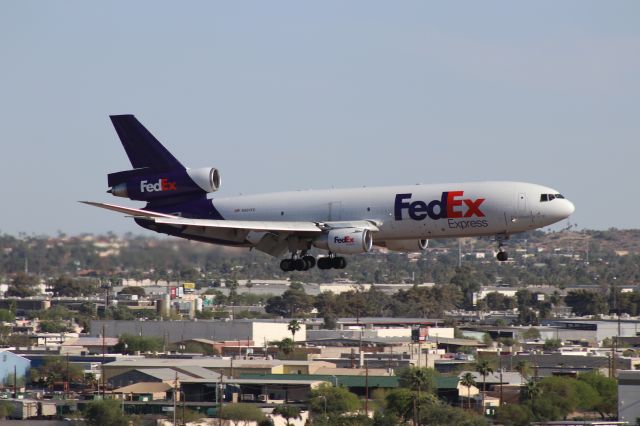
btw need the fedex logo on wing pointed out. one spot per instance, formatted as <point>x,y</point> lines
<point>344,240</point>
<point>450,205</point>
<point>161,185</point>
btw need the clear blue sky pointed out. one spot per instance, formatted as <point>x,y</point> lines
<point>297,95</point>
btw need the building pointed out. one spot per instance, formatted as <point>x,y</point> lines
<point>227,366</point>
<point>11,363</point>
<point>261,331</point>
<point>592,331</point>
<point>629,395</point>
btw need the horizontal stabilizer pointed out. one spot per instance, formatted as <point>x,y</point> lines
<point>128,210</point>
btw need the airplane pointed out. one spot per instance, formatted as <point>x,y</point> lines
<point>338,221</point>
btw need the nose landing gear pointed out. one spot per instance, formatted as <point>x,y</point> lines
<point>502,255</point>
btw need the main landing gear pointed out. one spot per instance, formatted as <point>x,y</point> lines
<point>502,255</point>
<point>307,262</point>
<point>330,262</point>
<point>303,263</point>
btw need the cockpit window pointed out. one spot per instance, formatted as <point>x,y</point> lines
<point>550,197</point>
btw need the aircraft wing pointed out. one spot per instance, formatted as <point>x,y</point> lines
<point>246,225</point>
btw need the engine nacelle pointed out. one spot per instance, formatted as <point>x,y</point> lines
<point>206,178</point>
<point>407,246</point>
<point>148,185</point>
<point>345,241</point>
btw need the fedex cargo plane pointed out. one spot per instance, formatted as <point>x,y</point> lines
<point>338,221</point>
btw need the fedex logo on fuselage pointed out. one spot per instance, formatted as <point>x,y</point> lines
<point>450,205</point>
<point>161,185</point>
<point>344,240</point>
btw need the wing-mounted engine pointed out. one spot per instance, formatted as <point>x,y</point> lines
<point>345,240</point>
<point>407,246</point>
<point>145,184</point>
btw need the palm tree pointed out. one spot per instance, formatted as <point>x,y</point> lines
<point>416,378</point>
<point>293,327</point>
<point>532,391</point>
<point>484,368</point>
<point>468,380</point>
<point>524,369</point>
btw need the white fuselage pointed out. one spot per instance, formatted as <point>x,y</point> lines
<point>411,212</point>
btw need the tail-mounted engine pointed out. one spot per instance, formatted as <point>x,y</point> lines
<point>345,241</point>
<point>145,184</point>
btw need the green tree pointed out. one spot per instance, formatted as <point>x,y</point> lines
<point>338,400</point>
<point>400,402</point>
<point>514,415</point>
<point>56,370</point>
<point>64,285</point>
<point>418,379</point>
<point>106,412</point>
<point>531,333</point>
<point>53,327</point>
<point>129,343</point>
<point>467,380</point>
<point>241,412</point>
<point>134,290</point>
<point>552,345</point>
<point>439,414</point>
<point>606,388</point>
<point>5,410</point>
<point>7,316</point>
<point>558,398</point>
<point>287,412</point>
<point>286,346</point>
<point>294,326</point>
<point>584,302</point>
<point>293,302</point>
<point>22,285</point>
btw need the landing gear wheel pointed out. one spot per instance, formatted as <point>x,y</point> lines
<point>338,263</point>
<point>287,265</point>
<point>310,260</point>
<point>502,256</point>
<point>300,265</point>
<point>324,263</point>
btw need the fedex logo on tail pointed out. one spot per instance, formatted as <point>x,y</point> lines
<point>161,185</point>
<point>450,206</point>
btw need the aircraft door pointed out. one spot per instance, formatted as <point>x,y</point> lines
<point>522,204</point>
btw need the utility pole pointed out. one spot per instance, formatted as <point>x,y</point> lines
<point>366,389</point>
<point>68,384</point>
<point>220,391</point>
<point>175,396</point>
<point>104,345</point>
<point>501,382</point>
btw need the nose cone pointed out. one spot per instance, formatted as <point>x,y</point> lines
<point>563,209</point>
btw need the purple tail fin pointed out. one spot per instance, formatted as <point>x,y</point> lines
<point>143,149</point>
